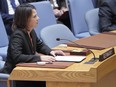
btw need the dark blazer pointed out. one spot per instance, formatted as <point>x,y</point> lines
<point>61,3</point>
<point>7,18</point>
<point>4,9</point>
<point>107,15</point>
<point>21,49</point>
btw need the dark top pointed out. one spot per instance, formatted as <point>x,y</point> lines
<point>22,50</point>
<point>8,18</point>
<point>107,15</point>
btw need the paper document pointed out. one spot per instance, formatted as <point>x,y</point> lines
<point>70,58</point>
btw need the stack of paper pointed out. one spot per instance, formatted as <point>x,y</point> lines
<point>70,58</point>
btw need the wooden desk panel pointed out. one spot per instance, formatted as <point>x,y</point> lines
<point>99,74</point>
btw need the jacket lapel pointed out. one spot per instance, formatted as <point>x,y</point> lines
<point>33,41</point>
<point>29,42</point>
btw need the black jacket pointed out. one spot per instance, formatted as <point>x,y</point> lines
<point>21,50</point>
<point>107,15</point>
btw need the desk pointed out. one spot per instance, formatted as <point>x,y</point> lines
<point>99,74</point>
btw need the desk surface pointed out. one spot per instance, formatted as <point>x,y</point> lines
<point>78,72</point>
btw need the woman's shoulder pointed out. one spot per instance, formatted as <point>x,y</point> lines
<point>18,33</point>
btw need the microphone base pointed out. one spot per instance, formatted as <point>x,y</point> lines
<point>92,61</point>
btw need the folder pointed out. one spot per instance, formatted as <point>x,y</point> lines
<point>97,42</point>
<point>70,58</point>
<point>59,65</point>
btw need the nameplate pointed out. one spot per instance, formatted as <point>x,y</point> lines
<point>106,55</point>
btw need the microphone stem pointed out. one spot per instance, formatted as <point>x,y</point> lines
<point>93,54</point>
<point>93,60</point>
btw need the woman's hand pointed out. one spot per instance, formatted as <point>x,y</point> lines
<point>57,52</point>
<point>46,58</point>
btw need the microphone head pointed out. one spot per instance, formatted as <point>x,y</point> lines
<point>58,39</point>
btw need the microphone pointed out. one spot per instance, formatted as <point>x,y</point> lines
<point>58,39</point>
<point>93,60</point>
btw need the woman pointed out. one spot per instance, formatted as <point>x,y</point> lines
<point>24,43</point>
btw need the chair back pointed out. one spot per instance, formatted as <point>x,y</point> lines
<point>3,39</point>
<point>49,35</point>
<point>46,15</point>
<point>1,63</point>
<point>3,44</point>
<point>3,52</point>
<point>92,20</point>
<point>3,34</point>
<point>77,10</point>
<point>3,77</point>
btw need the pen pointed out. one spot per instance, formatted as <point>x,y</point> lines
<point>49,62</point>
<point>43,63</point>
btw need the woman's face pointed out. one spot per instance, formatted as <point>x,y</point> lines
<point>33,20</point>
